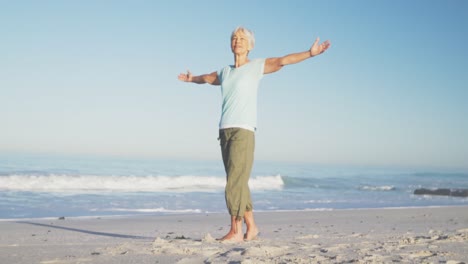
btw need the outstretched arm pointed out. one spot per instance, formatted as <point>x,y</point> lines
<point>211,78</point>
<point>275,64</point>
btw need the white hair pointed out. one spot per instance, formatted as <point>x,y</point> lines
<point>248,33</point>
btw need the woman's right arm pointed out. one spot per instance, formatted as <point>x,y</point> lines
<point>211,78</point>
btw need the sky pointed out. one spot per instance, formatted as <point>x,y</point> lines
<point>100,78</point>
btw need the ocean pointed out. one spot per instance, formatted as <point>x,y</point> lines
<point>43,186</point>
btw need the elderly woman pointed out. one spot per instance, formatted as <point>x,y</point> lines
<point>239,85</point>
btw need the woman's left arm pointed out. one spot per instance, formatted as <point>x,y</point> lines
<point>275,64</point>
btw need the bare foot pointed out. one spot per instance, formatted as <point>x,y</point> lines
<point>232,237</point>
<point>235,234</point>
<point>251,234</point>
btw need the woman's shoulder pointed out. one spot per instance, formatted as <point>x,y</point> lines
<point>258,60</point>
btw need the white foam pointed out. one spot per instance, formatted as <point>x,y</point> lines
<point>378,188</point>
<point>319,201</point>
<point>266,183</point>
<point>78,184</point>
<point>151,210</point>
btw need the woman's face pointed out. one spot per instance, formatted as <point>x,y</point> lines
<point>240,44</point>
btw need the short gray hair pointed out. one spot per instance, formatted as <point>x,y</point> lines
<point>248,33</point>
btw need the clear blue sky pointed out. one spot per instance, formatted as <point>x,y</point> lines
<point>100,78</point>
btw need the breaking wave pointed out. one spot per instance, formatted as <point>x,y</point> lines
<point>78,184</point>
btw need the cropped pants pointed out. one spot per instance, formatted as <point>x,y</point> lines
<point>237,148</point>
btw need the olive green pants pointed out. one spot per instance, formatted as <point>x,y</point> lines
<point>237,148</point>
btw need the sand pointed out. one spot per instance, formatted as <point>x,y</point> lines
<point>406,235</point>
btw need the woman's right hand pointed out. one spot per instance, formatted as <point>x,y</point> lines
<point>186,77</point>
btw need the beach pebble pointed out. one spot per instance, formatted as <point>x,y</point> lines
<point>433,247</point>
<point>422,254</point>
<point>439,237</point>
<point>454,262</point>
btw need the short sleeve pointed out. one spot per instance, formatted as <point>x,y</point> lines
<point>261,63</point>
<point>222,73</point>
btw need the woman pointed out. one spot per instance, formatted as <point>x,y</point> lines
<point>239,86</point>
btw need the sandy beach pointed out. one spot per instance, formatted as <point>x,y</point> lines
<point>407,235</point>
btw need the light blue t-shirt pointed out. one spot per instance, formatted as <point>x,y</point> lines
<point>239,87</point>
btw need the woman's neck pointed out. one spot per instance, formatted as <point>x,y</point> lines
<point>240,59</point>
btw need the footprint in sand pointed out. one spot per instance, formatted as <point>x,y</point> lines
<point>206,247</point>
<point>422,254</point>
<point>260,251</point>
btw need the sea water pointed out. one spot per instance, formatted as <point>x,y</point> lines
<point>33,186</point>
